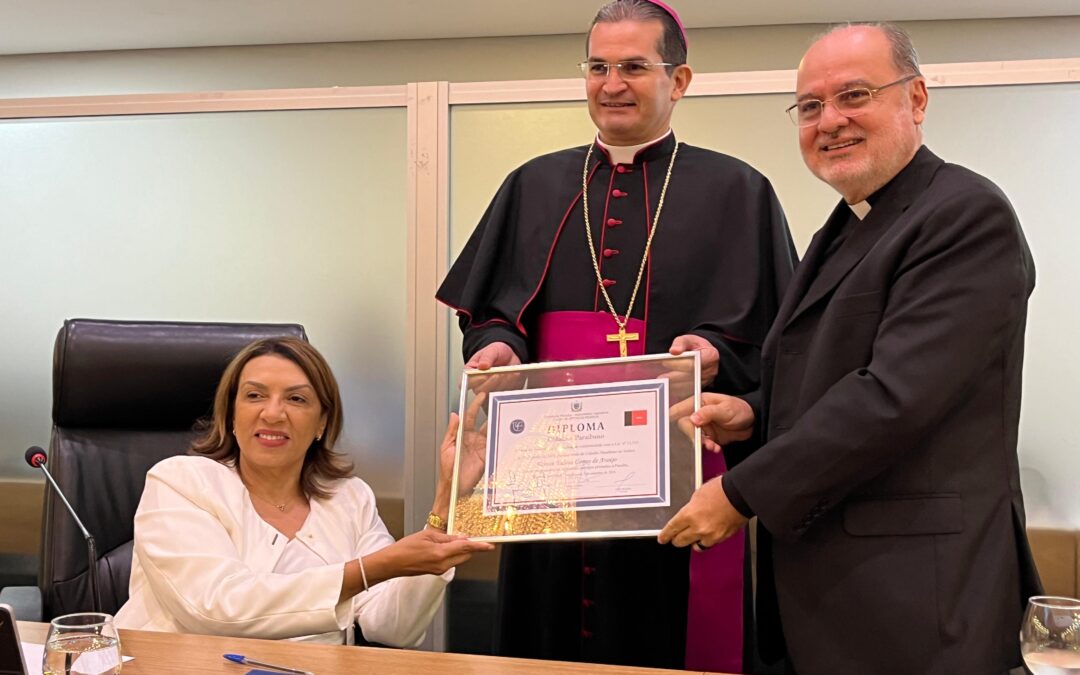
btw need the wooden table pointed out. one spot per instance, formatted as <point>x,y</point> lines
<point>167,653</point>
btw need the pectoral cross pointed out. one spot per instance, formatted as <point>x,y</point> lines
<point>622,337</point>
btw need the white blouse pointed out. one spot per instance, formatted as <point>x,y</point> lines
<point>299,557</point>
<point>205,562</point>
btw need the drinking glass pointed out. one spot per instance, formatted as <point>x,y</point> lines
<point>1050,636</point>
<point>82,644</point>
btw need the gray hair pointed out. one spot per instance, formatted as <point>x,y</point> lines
<point>904,56</point>
<point>671,47</point>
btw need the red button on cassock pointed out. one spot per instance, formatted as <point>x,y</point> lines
<point>612,222</point>
<point>618,193</point>
<point>621,169</point>
<point>609,282</point>
<point>611,252</point>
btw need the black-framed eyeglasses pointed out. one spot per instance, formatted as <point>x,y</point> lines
<point>628,70</point>
<point>849,103</point>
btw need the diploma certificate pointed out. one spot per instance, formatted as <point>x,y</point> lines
<point>589,447</point>
<point>576,449</point>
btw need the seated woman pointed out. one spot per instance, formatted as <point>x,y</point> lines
<point>262,531</point>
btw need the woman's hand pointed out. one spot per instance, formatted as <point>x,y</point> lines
<point>425,552</point>
<point>473,449</point>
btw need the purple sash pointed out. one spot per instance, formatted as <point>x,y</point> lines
<point>569,336</point>
<point>714,633</point>
<point>714,630</point>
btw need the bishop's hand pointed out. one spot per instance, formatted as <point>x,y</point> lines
<point>493,355</point>
<point>710,357</point>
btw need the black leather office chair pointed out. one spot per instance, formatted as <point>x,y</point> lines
<point>126,395</point>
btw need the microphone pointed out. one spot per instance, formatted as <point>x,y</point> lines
<point>37,458</point>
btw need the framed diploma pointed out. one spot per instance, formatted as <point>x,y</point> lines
<point>576,449</point>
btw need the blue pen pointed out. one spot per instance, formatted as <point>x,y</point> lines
<point>240,658</point>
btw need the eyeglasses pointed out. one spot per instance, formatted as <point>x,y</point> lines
<point>628,70</point>
<point>849,103</point>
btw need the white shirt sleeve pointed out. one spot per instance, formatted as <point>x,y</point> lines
<point>398,611</point>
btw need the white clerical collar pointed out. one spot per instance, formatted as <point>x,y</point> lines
<point>861,209</point>
<point>624,154</point>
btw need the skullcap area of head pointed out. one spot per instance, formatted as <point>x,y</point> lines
<point>674,15</point>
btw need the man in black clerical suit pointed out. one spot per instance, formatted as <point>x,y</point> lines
<point>888,483</point>
<point>683,247</point>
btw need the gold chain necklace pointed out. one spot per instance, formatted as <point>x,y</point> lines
<point>622,337</point>
<point>280,507</point>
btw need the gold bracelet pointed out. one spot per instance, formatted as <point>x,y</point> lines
<point>436,521</point>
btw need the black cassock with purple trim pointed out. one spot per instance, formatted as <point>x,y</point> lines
<point>719,262</point>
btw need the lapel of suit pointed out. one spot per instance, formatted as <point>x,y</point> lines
<point>807,267</point>
<point>889,203</point>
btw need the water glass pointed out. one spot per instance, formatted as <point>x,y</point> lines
<point>1050,636</point>
<point>82,644</point>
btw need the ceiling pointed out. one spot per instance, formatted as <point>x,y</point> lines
<point>41,26</point>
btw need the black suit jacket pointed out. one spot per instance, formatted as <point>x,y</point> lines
<point>889,409</point>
